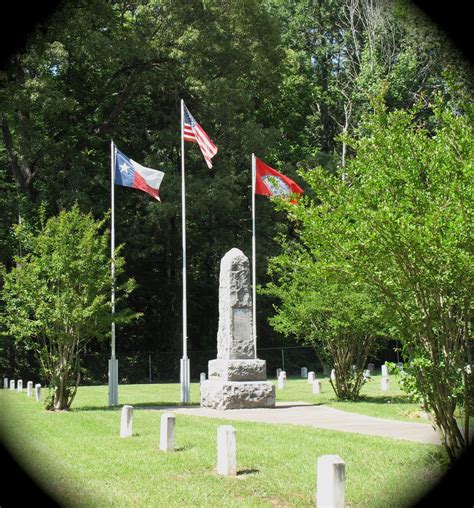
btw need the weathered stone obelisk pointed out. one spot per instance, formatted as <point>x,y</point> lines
<point>237,379</point>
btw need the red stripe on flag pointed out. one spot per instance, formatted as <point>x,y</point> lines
<point>188,133</point>
<point>140,183</point>
<point>196,134</point>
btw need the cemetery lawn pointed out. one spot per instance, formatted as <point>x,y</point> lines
<point>79,457</point>
<point>392,404</point>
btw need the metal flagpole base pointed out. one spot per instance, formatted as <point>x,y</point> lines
<point>113,382</point>
<point>185,379</point>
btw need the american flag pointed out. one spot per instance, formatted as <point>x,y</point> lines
<point>193,132</point>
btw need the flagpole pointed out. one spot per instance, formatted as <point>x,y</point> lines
<point>184,371</point>
<point>113,363</point>
<point>254,262</point>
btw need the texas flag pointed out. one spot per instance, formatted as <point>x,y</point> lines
<point>270,182</point>
<point>131,174</point>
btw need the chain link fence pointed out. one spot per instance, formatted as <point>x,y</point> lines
<point>154,367</point>
<point>165,366</point>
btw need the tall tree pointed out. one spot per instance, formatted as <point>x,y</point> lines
<point>400,225</point>
<point>338,54</point>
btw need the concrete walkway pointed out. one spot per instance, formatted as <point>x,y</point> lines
<point>322,417</point>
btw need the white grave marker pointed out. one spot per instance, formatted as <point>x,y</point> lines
<point>278,373</point>
<point>12,384</point>
<point>167,432</point>
<point>316,386</point>
<point>385,384</point>
<point>226,451</point>
<point>333,375</point>
<point>330,482</point>
<point>202,377</point>
<point>126,421</point>
<point>38,392</point>
<point>281,382</point>
<point>311,377</point>
<point>384,370</point>
<point>304,372</point>
<point>5,383</point>
<point>29,388</point>
<point>19,387</point>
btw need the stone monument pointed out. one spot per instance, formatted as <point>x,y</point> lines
<point>237,379</point>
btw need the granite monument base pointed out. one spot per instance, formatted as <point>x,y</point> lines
<point>219,394</point>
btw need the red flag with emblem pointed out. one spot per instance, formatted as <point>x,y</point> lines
<point>269,182</point>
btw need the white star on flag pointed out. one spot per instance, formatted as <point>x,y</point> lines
<point>124,168</point>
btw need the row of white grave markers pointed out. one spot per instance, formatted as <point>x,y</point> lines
<point>330,469</point>
<point>226,439</point>
<point>316,384</point>
<point>166,429</point>
<point>19,387</point>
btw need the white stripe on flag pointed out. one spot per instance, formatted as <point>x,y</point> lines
<point>195,133</point>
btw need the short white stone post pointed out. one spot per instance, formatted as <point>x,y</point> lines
<point>19,386</point>
<point>202,377</point>
<point>366,374</point>
<point>126,421</point>
<point>29,388</point>
<point>304,373</point>
<point>38,392</point>
<point>226,451</point>
<point>281,381</point>
<point>283,373</point>
<point>316,386</point>
<point>5,383</point>
<point>278,373</point>
<point>12,384</point>
<point>330,482</point>
<point>384,370</point>
<point>167,427</point>
<point>333,375</point>
<point>311,377</point>
<point>385,384</point>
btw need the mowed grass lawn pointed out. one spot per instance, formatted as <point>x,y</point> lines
<point>79,458</point>
<point>393,404</point>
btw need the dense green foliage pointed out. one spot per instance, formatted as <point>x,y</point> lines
<point>398,229</point>
<point>103,70</point>
<point>322,305</point>
<point>57,298</point>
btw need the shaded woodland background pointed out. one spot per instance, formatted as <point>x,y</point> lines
<point>281,79</point>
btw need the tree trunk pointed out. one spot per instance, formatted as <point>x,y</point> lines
<point>61,395</point>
